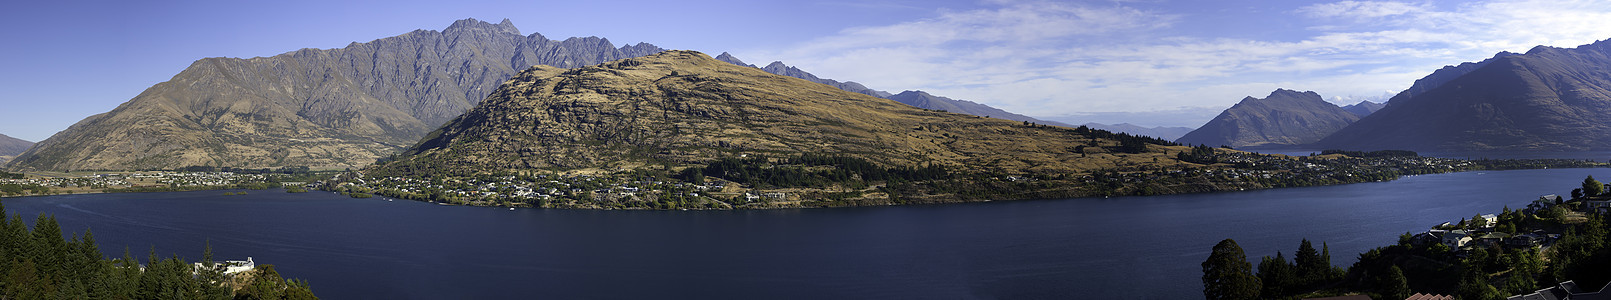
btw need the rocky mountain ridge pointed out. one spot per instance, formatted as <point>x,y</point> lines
<point>1548,99</point>
<point>915,98</point>
<point>323,108</point>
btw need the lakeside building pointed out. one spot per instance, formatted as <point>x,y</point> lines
<point>1566,291</point>
<point>232,266</point>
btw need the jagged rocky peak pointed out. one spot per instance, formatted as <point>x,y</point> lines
<point>472,24</point>
<point>320,108</point>
<point>729,58</point>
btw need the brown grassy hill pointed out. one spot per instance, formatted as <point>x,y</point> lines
<point>322,108</point>
<point>683,107</point>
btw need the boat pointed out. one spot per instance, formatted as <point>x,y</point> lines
<point>511,208</point>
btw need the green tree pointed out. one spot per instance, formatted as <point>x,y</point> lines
<point>1311,266</point>
<point>1228,275</point>
<point>1592,187</point>
<point>1276,276</point>
<point>1393,285</point>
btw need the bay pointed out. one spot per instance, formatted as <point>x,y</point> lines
<point>1129,247</point>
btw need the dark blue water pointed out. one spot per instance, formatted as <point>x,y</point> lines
<point>1582,155</point>
<point>1135,247</point>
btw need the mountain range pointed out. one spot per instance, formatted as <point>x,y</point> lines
<point>919,99</point>
<point>324,108</point>
<point>1548,99</point>
<point>1364,108</point>
<point>684,107</point>
<point>1284,118</point>
<point>1162,132</point>
<point>10,147</point>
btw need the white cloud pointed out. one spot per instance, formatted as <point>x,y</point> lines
<point>1361,9</point>
<point>1044,59</point>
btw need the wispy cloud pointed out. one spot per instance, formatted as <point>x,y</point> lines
<point>1362,9</point>
<point>1045,59</point>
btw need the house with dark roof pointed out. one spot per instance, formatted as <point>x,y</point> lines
<point>1566,291</point>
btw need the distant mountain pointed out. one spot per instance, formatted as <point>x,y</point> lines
<point>10,147</point>
<point>1364,108</point>
<point>1284,118</point>
<point>917,99</point>
<point>685,108</point>
<point>777,67</point>
<point>1162,132</point>
<point>1549,99</point>
<point>921,99</point>
<point>323,108</point>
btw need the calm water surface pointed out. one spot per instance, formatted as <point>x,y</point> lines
<point>1133,247</point>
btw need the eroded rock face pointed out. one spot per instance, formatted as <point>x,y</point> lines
<point>1284,118</point>
<point>683,107</point>
<point>326,108</point>
<point>1548,99</point>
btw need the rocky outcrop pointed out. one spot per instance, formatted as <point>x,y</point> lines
<point>686,108</point>
<point>323,108</point>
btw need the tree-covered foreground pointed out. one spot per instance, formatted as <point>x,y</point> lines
<point>43,264</point>
<point>1419,264</point>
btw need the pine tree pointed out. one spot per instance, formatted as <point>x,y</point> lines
<point>1275,274</point>
<point>1309,264</point>
<point>1228,275</point>
<point>1592,187</point>
<point>1394,285</point>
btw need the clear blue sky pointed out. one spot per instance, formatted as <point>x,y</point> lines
<point>1149,62</point>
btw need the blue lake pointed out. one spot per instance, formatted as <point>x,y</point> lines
<point>1132,247</point>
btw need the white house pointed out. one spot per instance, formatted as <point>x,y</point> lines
<point>232,266</point>
<point>1456,238</point>
<point>237,266</point>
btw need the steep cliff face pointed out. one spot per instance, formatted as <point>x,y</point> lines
<point>1549,99</point>
<point>323,108</point>
<point>1284,118</point>
<point>683,107</point>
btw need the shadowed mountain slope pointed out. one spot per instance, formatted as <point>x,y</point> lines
<point>1549,99</point>
<point>10,147</point>
<point>1284,118</point>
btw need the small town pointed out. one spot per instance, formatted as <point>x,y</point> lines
<point>145,181</point>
